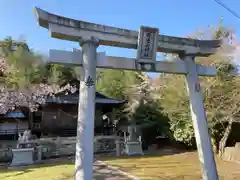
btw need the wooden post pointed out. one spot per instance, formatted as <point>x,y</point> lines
<point>125,137</point>
<point>118,147</point>
<point>203,141</point>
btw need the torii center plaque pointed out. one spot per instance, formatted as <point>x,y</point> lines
<point>147,48</point>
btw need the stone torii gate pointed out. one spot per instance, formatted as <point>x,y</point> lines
<point>147,41</point>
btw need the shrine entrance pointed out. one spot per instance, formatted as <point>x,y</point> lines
<point>147,42</point>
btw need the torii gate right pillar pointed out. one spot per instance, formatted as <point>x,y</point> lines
<point>206,156</point>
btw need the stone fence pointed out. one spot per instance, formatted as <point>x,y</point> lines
<point>65,146</point>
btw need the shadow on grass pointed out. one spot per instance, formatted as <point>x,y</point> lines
<point>66,177</point>
<point>159,153</point>
<point>183,166</point>
<point>171,175</point>
<point>156,175</point>
<point>148,168</point>
<point>46,163</point>
<point>100,172</point>
<point>167,171</point>
<point>23,171</point>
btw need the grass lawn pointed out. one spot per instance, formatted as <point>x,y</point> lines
<point>51,171</point>
<point>184,166</point>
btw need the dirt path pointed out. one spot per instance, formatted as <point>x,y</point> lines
<point>102,172</point>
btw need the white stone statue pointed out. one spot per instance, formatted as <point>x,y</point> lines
<point>25,137</point>
<point>28,135</point>
<point>20,137</point>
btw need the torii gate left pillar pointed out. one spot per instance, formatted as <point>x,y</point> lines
<point>86,111</point>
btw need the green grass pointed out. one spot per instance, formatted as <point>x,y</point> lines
<point>51,171</point>
<point>184,166</point>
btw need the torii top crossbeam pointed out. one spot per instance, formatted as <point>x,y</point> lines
<point>70,29</point>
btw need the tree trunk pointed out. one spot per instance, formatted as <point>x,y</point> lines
<point>214,145</point>
<point>224,139</point>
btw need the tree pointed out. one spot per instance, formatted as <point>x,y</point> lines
<point>62,75</point>
<point>144,110</point>
<point>23,77</point>
<point>174,100</point>
<point>221,93</point>
<point>223,104</point>
<point>114,83</point>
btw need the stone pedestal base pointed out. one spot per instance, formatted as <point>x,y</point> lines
<point>133,148</point>
<point>22,157</point>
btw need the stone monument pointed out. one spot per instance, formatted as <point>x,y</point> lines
<point>24,153</point>
<point>133,143</point>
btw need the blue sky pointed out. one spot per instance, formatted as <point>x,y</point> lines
<point>172,17</point>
